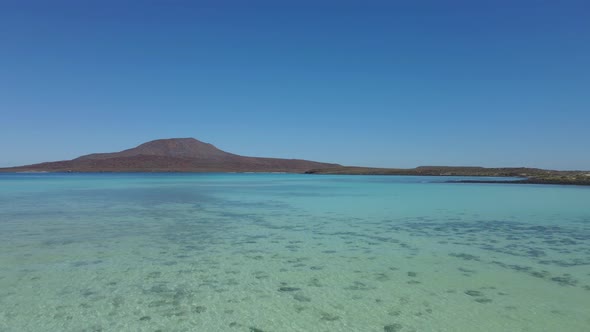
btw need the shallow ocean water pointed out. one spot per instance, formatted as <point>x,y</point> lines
<point>284,252</point>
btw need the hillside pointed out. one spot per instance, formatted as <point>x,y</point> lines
<point>172,155</point>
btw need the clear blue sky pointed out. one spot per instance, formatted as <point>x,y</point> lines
<point>374,83</point>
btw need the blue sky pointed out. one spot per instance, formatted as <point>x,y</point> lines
<point>373,83</point>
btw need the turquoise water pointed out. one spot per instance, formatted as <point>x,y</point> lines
<point>278,252</point>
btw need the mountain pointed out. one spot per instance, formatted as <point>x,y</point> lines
<point>173,155</point>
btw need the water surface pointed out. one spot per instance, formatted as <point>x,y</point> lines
<point>278,252</point>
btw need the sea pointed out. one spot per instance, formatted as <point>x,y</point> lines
<point>291,252</point>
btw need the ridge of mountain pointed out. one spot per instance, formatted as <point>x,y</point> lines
<point>171,147</point>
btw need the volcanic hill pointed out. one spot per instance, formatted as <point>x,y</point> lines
<point>172,155</point>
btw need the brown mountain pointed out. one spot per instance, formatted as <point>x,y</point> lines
<point>173,155</point>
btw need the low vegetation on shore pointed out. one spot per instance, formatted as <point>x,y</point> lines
<point>528,175</point>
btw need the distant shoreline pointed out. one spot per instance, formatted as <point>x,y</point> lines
<point>525,181</point>
<point>574,179</point>
<point>528,175</point>
<point>539,181</point>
